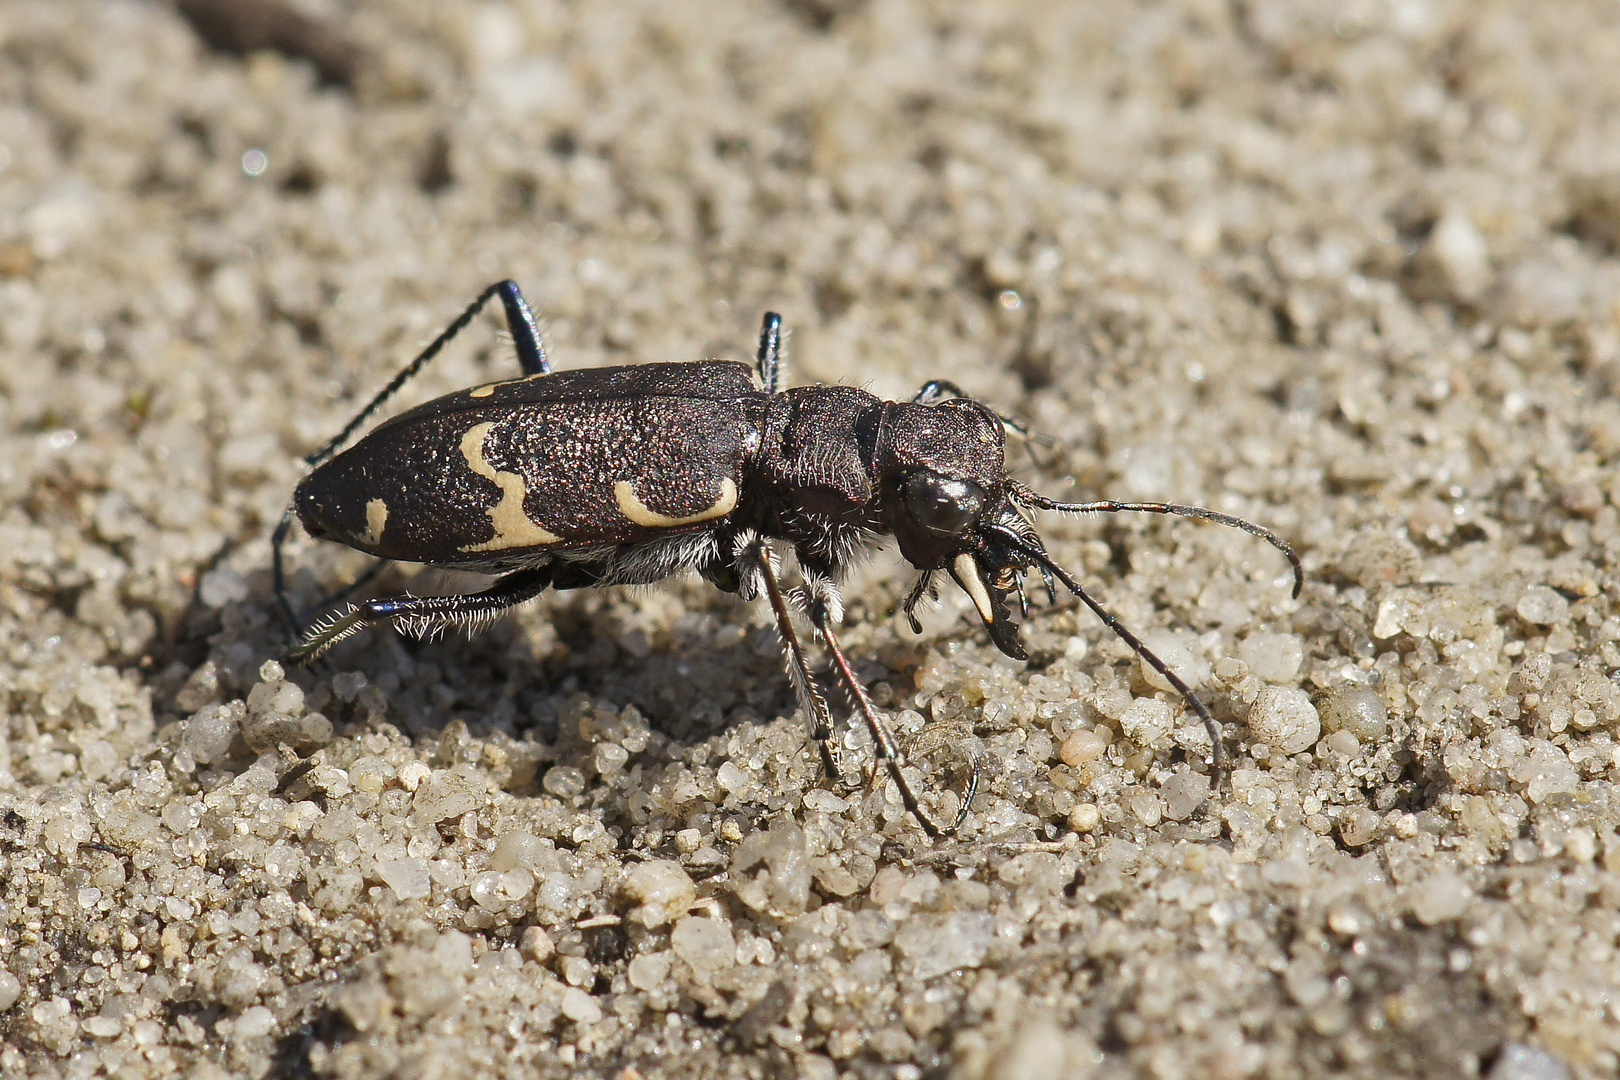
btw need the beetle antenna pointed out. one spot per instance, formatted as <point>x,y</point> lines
<point>1149,657</point>
<point>1109,506</point>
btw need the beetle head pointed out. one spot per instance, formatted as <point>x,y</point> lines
<point>942,470</point>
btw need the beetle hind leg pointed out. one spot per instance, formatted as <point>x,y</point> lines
<point>421,615</point>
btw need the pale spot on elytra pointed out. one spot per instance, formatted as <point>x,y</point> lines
<point>638,511</point>
<point>376,521</point>
<point>513,527</point>
<point>489,388</point>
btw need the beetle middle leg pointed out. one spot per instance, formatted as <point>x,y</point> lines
<point>884,746</point>
<point>424,613</point>
<point>768,361</point>
<point>818,717</point>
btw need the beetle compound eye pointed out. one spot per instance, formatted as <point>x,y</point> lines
<point>942,506</point>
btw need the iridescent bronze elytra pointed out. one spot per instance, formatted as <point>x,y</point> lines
<point>626,475</point>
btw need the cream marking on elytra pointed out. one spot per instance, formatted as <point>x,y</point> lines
<point>513,527</point>
<point>968,573</point>
<point>376,521</point>
<point>638,512</point>
<point>489,388</point>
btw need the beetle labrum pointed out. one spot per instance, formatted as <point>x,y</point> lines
<point>626,475</point>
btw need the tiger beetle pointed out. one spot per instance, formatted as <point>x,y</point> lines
<point>626,475</point>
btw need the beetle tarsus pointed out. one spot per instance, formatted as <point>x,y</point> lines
<point>327,631</point>
<point>884,748</point>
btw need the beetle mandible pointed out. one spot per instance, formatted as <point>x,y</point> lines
<point>626,475</point>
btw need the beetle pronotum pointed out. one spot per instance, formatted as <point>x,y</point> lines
<point>626,475</point>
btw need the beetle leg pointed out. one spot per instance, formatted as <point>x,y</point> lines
<point>935,390</point>
<point>818,718</point>
<point>531,358</point>
<point>525,334</point>
<point>769,358</point>
<point>377,567</point>
<point>421,614</point>
<point>531,355</point>
<point>883,744</point>
<point>914,597</point>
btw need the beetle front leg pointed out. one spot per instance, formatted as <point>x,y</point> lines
<point>421,614</point>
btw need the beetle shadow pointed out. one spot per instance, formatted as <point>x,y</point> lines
<point>691,676</point>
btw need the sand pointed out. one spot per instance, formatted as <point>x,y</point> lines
<point>1346,269</point>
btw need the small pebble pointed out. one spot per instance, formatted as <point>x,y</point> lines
<point>580,1007</point>
<point>1148,809</point>
<point>412,773</point>
<point>447,794</point>
<point>1183,793</point>
<point>662,890</point>
<point>1147,721</point>
<point>1177,654</point>
<point>536,945</point>
<point>649,970</point>
<point>1082,746</point>
<point>1273,657</point>
<point>1284,719</point>
<point>1084,817</point>
<point>1353,708</point>
<point>208,735</point>
<point>705,944</point>
<point>1517,1061</point>
<point>517,848</point>
<point>1376,557</point>
<point>407,877</point>
<point>1458,251</point>
<point>564,781</point>
<point>1545,773</point>
<point>255,1022</point>
<point>10,990</point>
<point>1542,606</point>
<point>935,945</point>
<point>1440,896</point>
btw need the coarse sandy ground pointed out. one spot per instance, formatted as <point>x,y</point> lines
<point>1346,268</point>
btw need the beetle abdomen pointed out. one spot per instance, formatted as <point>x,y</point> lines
<point>487,487</point>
